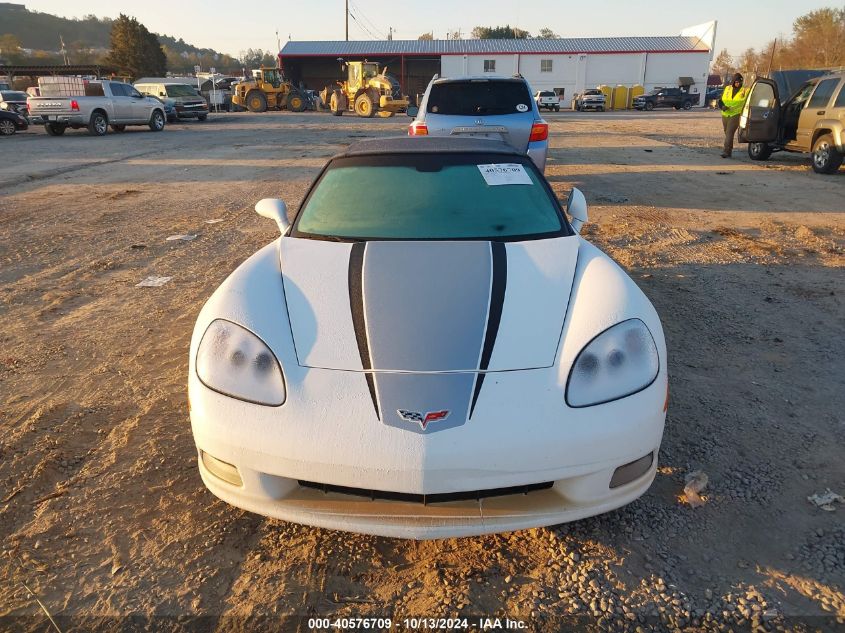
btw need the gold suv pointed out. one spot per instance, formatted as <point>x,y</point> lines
<point>811,121</point>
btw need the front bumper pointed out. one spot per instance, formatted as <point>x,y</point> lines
<point>386,102</point>
<point>332,437</point>
<point>190,112</point>
<point>567,500</point>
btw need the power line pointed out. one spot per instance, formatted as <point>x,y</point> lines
<point>378,32</point>
<point>363,27</point>
<point>366,19</point>
<point>359,24</point>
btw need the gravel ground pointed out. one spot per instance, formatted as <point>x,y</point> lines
<point>103,515</point>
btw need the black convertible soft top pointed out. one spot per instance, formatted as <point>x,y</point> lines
<point>427,145</point>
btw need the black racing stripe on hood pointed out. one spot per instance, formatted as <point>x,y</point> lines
<point>356,305</point>
<point>497,301</point>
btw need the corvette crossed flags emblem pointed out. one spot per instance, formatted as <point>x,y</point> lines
<point>423,418</point>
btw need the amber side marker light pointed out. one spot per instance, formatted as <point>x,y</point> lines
<point>631,471</point>
<point>222,470</point>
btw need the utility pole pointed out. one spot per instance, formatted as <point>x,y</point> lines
<point>346,15</point>
<point>772,58</point>
<point>390,34</point>
<point>64,52</point>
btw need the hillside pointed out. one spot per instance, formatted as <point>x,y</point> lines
<point>41,31</point>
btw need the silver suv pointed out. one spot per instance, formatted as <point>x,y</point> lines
<point>499,108</point>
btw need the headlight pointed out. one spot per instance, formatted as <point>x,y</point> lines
<point>235,362</point>
<point>619,362</point>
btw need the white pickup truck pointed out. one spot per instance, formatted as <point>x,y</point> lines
<point>547,99</point>
<point>98,105</point>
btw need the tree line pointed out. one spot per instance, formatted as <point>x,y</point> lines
<point>817,41</point>
<point>29,37</point>
<point>506,32</point>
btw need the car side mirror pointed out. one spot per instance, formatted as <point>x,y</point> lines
<point>413,111</point>
<point>276,210</point>
<point>162,94</point>
<point>576,208</point>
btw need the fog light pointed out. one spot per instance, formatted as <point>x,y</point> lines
<point>222,470</point>
<point>629,472</point>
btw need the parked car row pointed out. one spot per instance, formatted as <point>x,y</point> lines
<point>73,102</point>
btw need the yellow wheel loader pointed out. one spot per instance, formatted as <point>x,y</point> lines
<point>267,90</point>
<point>366,92</point>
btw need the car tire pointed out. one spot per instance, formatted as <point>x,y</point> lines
<point>600,108</point>
<point>98,125</point>
<point>118,128</point>
<point>256,101</point>
<point>649,106</point>
<point>202,117</point>
<point>687,105</point>
<point>826,160</point>
<point>364,106</point>
<point>557,108</point>
<point>156,121</point>
<point>759,151</point>
<point>172,118</point>
<point>7,127</point>
<point>54,129</point>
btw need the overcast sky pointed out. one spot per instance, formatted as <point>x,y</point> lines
<point>230,27</point>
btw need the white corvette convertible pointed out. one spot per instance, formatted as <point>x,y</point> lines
<point>429,350</point>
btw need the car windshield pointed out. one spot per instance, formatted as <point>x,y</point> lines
<point>430,196</point>
<point>593,92</point>
<point>180,90</point>
<point>547,94</point>
<point>479,96</point>
<point>13,96</point>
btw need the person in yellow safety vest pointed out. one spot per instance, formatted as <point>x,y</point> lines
<point>731,104</point>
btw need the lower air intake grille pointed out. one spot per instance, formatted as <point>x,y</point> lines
<point>426,499</point>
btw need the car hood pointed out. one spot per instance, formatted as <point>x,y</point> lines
<point>427,306</point>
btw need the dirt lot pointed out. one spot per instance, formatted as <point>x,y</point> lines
<point>102,511</point>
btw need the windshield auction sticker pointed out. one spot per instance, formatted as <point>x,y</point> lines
<point>505,174</point>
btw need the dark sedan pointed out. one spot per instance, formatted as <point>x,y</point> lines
<point>13,101</point>
<point>11,122</point>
